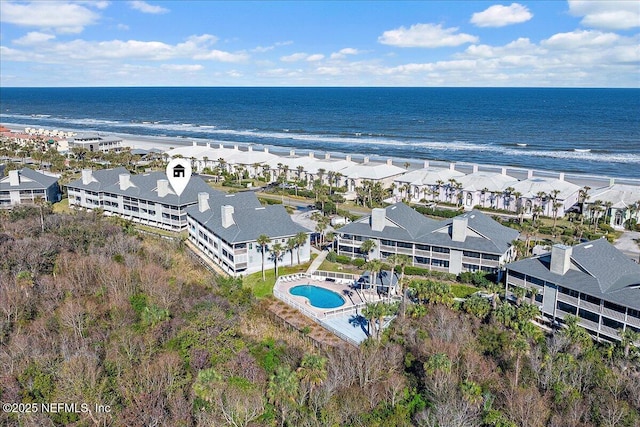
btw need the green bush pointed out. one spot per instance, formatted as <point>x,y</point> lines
<point>358,262</point>
<point>332,256</point>
<point>417,271</point>
<point>343,259</point>
<point>442,213</point>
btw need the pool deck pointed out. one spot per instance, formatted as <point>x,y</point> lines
<point>344,321</point>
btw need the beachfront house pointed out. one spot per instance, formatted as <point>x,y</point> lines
<point>470,242</point>
<point>617,204</point>
<point>549,196</point>
<point>96,142</point>
<point>148,198</point>
<point>356,174</point>
<point>226,227</point>
<point>428,183</point>
<point>592,280</point>
<point>484,189</point>
<point>26,186</point>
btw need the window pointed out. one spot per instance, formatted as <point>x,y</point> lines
<point>439,263</point>
<point>566,307</point>
<point>614,307</point>
<point>421,260</point>
<point>588,315</point>
<point>471,254</point>
<point>589,298</point>
<point>441,250</point>
<point>568,291</point>
<point>491,257</point>
<point>539,297</point>
<point>423,247</point>
<point>516,274</point>
<point>470,267</point>
<point>611,323</point>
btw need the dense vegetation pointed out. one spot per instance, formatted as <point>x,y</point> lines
<point>94,313</point>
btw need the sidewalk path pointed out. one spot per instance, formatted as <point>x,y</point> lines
<point>316,262</point>
<point>626,243</point>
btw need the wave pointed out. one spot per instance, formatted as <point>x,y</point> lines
<point>342,141</point>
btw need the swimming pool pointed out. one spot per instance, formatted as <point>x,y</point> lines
<point>318,297</point>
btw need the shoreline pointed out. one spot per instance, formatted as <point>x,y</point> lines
<point>165,143</point>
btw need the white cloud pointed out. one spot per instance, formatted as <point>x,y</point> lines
<point>500,16</point>
<point>33,38</point>
<point>145,7</point>
<point>611,15</point>
<point>315,57</point>
<point>262,49</point>
<point>294,57</point>
<point>188,68</point>
<point>343,53</point>
<point>425,35</point>
<point>580,39</point>
<point>195,47</point>
<point>63,17</point>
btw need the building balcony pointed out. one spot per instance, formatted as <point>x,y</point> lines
<point>440,255</point>
<point>633,321</point>
<point>567,298</point>
<point>612,314</point>
<point>590,306</point>
<point>609,331</point>
<point>517,282</point>
<point>588,324</point>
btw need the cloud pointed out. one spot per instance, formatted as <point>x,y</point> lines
<point>145,7</point>
<point>294,57</point>
<point>189,68</point>
<point>315,57</point>
<point>610,15</point>
<point>425,35</point>
<point>500,16</point>
<point>33,38</point>
<point>196,47</point>
<point>63,17</point>
<point>580,39</point>
<point>262,49</point>
<point>342,53</point>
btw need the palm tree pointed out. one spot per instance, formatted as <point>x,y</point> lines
<point>507,196</point>
<point>282,390</point>
<point>627,338</point>
<point>312,370</point>
<point>484,192</point>
<point>583,196</point>
<point>367,246</point>
<point>263,241</point>
<point>291,245</point>
<point>374,266</point>
<point>519,208</point>
<point>277,250</point>
<point>519,347</point>
<point>255,167</point>
<point>301,239</point>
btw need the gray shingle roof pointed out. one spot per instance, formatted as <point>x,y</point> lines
<point>600,270</point>
<point>414,227</point>
<point>35,181</point>
<point>250,219</point>
<point>144,186</point>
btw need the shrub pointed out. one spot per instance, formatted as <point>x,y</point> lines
<point>343,259</point>
<point>332,256</point>
<point>442,213</point>
<point>358,262</point>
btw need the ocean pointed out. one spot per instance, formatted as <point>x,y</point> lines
<point>590,131</point>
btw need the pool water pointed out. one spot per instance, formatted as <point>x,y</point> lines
<point>318,297</point>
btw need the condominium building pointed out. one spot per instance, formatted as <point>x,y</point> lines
<point>96,142</point>
<point>147,198</point>
<point>470,242</point>
<point>26,186</point>
<point>225,227</point>
<point>592,280</point>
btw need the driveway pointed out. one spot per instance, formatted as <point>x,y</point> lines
<point>628,244</point>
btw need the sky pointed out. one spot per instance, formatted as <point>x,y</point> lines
<point>51,43</point>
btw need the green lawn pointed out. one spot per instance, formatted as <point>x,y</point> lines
<point>62,206</point>
<point>264,288</point>
<point>463,291</point>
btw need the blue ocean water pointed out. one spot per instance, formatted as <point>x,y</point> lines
<point>594,131</point>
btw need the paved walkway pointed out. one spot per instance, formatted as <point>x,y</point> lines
<point>628,245</point>
<point>316,262</point>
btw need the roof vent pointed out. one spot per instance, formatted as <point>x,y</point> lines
<point>588,246</point>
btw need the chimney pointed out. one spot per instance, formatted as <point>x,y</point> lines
<point>503,171</point>
<point>365,160</point>
<point>426,164</point>
<point>389,162</point>
<point>327,156</point>
<point>226,212</point>
<point>14,178</point>
<point>529,174</point>
<point>203,201</point>
<point>378,218</point>
<point>163,187</point>
<point>348,158</point>
<point>561,176</point>
<point>311,155</point>
<point>560,259</point>
<point>452,166</point>
<point>87,176</point>
<point>292,153</point>
<point>475,168</point>
<point>459,229</point>
<point>125,181</point>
